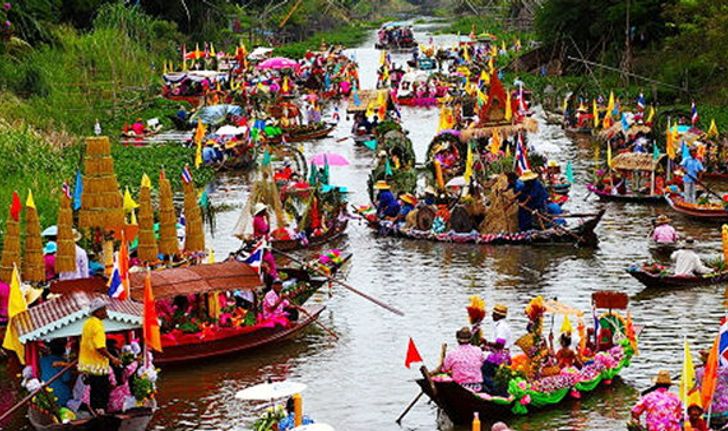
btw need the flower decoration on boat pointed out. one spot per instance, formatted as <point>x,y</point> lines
<point>476,309</point>
<point>535,308</point>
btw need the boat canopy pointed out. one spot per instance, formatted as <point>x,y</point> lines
<point>65,316</point>
<point>365,98</point>
<point>168,283</point>
<point>636,161</point>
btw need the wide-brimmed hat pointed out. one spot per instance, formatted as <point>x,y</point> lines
<point>31,293</point>
<point>408,198</point>
<point>662,378</point>
<point>259,208</point>
<point>500,309</point>
<point>552,164</point>
<point>50,247</point>
<point>662,219</point>
<point>463,334</point>
<point>528,175</point>
<point>97,304</point>
<point>381,185</point>
<point>77,236</point>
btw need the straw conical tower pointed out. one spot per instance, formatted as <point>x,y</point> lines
<point>33,263</point>
<point>168,244</point>
<point>147,249</point>
<point>101,202</point>
<point>11,241</point>
<point>194,234</point>
<point>66,254</point>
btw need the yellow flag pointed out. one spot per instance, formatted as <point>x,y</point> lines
<point>211,256</point>
<point>198,155</point>
<point>712,130</point>
<point>495,142</point>
<point>491,65</point>
<point>469,164</point>
<point>370,110</point>
<point>212,50</point>
<point>670,142</point>
<point>146,182</point>
<point>566,325</point>
<point>466,54</point>
<point>509,108</point>
<point>199,135</point>
<point>16,305</point>
<point>651,115</point>
<point>133,220</point>
<point>595,113</point>
<point>129,203</point>
<point>610,105</point>
<point>724,236</point>
<point>503,45</point>
<point>30,203</point>
<point>609,154</point>
<point>687,379</point>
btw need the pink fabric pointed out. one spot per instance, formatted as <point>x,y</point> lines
<point>4,297</point>
<point>260,226</point>
<point>464,364</point>
<point>665,234</point>
<point>138,128</point>
<point>118,394</point>
<point>50,266</point>
<point>664,410</point>
<point>270,309</point>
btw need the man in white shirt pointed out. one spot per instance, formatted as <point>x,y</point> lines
<point>687,262</point>
<point>501,328</point>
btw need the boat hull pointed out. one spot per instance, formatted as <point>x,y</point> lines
<point>132,420</point>
<point>632,198</point>
<point>675,282</point>
<point>293,244</point>
<point>717,215</point>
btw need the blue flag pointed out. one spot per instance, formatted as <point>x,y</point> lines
<point>685,151</point>
<point>569,172</point>
<point>655,151</point>
<point>371,144</point>
<point>77,191</point>
<point>266,158</point>
<point>388,168</point>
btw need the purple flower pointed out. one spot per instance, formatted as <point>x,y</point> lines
<point>7,6</point>
<point>8,24</point>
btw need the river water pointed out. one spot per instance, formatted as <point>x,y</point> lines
<point>360,383</point>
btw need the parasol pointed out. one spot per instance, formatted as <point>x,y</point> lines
<point>270,391</point>
<point>50,231</point>
<point>456,182</point>
<point>332,159</point>
<point>231,131</point>
<point>279,63</point>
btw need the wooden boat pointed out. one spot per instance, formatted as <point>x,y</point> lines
<point>715,212</point>
<point>671,281</point>
<point>582,234</point>
<point>715,176</point>
<point>136,419</point>
<point>293,244</point>
<point>630,197</point>
<point>310,135</point>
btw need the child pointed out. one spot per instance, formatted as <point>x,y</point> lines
<point>566,357</point>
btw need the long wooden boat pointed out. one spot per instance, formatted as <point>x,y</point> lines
<point>631,197</point>
<point>712,213</point>
<point>293,244</point>
<point>582,234</point>
<point>295,137</point>
<point>715,176</point>
<point>136,419</point>
<point>671,281</point>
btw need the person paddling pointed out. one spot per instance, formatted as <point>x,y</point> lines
<point>663,408</point>
<point>664,233</point>
<point>687,262</point>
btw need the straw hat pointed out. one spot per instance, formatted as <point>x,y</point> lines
<point>552,164</point>
<point>663,219</point>
<point>662,378</point>
<point>528,175</point>
<point>77,236</point>
<point>259,208</point>
<point>381,185</point>
<point>408,198</point>
<point>97,304</point>
<point>500,309</point>
<point>463,334</point>
<point>429,190</point>
<point>31,293</point>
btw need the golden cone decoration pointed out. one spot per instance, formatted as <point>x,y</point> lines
<point>194,233</point>
<point>101,202</point>
<point>168,244</point>
<point>33,263</point>
<point>66,254</point>
<point>147,249</point>
<point>11,249</point>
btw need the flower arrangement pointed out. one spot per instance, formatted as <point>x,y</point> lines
<point>535,309</point>
<point>270,417</point>
<point>143,386</point>
<point>476,309</point>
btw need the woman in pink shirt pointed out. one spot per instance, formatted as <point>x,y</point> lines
<point>261,231</point>
<point>663,233</point>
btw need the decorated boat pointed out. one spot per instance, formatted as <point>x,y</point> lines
<point>701,211</point>
<point>336,230</point>
<point>635,178</point>
<point>660,277</point>
<point>64,317</point>
<point>395,161</point>
<point>308,132</point>
<point>418,88</point>
<point>530,383</point>
<point>395,36</point>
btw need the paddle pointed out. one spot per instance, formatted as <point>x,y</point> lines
<point>654,387</point>
<point>704,186</point>
<point>579,240</point>
<point>443,350</point>
<point>315,320</point>
<point>341,283</point>
<point>30,396</point>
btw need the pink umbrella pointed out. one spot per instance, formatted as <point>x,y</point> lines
<point>279,63</point>
<point>332,159</point>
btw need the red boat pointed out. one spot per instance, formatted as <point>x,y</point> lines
<point>711,212</point>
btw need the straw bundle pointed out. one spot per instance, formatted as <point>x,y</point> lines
<point>66,254</point>
<point>147,249</point>
<point>266,191</point>
<point>506,129</point>
<point>194,234</point>
<point>167,218</point>
<point>101,200</point>
<point>11,250</point>
<point>33,263</point>
<point>501,215</point>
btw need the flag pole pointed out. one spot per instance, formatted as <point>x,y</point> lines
<point>717,367</point>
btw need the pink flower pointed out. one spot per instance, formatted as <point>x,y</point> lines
<point>526,400</point>
<point>7,6</point>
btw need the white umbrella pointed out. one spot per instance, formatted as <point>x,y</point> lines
<point>270,391</point>
<point>50,231</point>
<point>231,131</point>
<point>314,427</point>
<point>456,182</point>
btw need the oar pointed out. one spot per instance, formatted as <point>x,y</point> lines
<point>341,283</point>
<point>704,186</point>
<point>30,396</point>
<point>542,217</point>
<point>443,350</point>
<point>315,320</point>
<point>654,387</point>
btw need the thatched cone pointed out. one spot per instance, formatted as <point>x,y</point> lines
<point>66,254</point>
<point>194,233</point>
<point>168,244</point>
<point>266,191</point>
<point>501,215</point>
<point>33,263</point>
<point>11,242</point>
<point>101,202</point>
<point>147,249</point>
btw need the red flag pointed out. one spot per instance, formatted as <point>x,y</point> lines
<point>412,354</point>
<point>710,378</point>
<point>15,207</point>
<point>151,322</point>
<point>124,267</point>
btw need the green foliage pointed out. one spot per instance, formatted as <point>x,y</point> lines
<point>346,36</point>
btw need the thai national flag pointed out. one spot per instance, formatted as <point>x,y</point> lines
<point>116,287</point>
<point>723,344</point>
<point>694,117</point>
<point>641,102</point>
<point>186,175</point>
<point>66,190</point>
<point>255,258</point>
<point>521,156</point>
